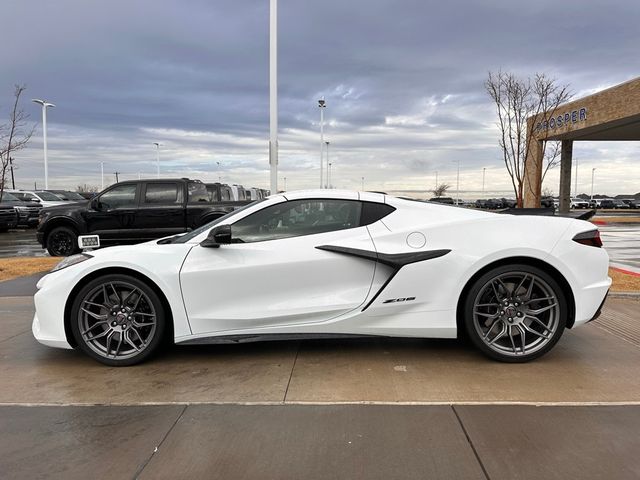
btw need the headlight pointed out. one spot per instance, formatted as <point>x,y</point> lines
<point>21,208</point>
<point>72,260</point>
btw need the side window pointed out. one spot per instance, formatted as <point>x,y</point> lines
<point>122,196</point>
<point>372,212</point>
<point>297,218</point>
<point>226,193</point>
<point>199,193</point>
<point>162,194</point>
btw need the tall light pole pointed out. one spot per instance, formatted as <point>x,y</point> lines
<point>484,170</point>
<point>273,95</point>
<point>328,182</point>
<point>157,159</point>
<point>458,184</point>
<point>321,105</point>
<point>593,172</point>
<point>101,176</point>
<point>285,184</point>
<point>363,184</point>
<point>44,105</point>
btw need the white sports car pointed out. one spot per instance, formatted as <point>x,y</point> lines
<point>332,263</point>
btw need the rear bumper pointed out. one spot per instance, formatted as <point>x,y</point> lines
<point>599,311</point>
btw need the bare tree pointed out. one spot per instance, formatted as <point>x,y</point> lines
<point>14,135</point>
<point>516,101</point>
<point>87,188</point>
<point>441,189</point>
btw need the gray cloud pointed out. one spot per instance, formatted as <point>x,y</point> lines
<point>403,83</point>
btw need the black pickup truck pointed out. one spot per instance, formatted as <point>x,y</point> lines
<point>131,212</point>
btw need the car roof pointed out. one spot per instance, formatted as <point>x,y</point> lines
<point>334,194</point>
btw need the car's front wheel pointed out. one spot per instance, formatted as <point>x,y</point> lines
<point>118,320</point>
<point>515,313</point>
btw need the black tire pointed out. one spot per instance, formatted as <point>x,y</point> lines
<point>515,319</point>
<point>62,242</point>
<point>119,291</point>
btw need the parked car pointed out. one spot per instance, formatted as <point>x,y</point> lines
<point>481,203</point>
<point>8,216</point>
<point>595,203</point>
<point>512,284</point>
<point>607,203</point>
<point>28,212</point>
<point>238,193</point>
<point>444,200</point>
<point>44,198</point>
<point>617,203</point>
<point>631,202</point>
<point>579,203</point>
<point>548,202</point>
<point>130,212</point>
<point>68,196</point>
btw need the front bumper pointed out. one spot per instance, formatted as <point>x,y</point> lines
<point>42,336</point>
<point>48,321</point>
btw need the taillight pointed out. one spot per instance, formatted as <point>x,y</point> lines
<point>591,238</point>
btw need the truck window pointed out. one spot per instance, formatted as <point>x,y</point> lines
<point>122,196</point>
<point>226,193</point>
<point>212,193</point>
<point>162,193</point>
<point>199,193</point>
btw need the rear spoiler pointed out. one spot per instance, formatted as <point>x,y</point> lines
<point>549,212</point>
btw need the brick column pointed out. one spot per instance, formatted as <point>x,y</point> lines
<point>566,154</point>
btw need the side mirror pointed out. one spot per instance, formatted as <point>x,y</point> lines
<point>220,235</point>
<point>95,204</point>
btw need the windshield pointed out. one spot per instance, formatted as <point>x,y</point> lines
<point>194,233</point>
<point>7,197</point>
<point>73,196</point>
<point>48,197</point>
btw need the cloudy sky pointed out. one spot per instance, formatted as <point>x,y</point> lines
<point>403,81</point>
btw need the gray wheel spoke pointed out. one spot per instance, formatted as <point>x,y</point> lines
<point>93,304</point>
<point>119,345</point>
<point>142,324</point>
<point>513,343</point>
<point>126,300</point>
<point>144,314</point>
<point>142,342</point>
<point>129,341</point>
<point>523,339</point>
<point>491,328</point>
<point>495,304</point>
<point>533,332</point>
<point>115,292</point>
<point>84,332</point>
<point>100,335</point>
<point>94,315</point>
<point>506,290</point>
<point>495,291</point>
<point>502,333</point>
<point>533,300</point>
<point>520,285</point>
<point>539,322</point>
<point>488,315</point>
<point>538,311</point>
<point>530,289</point>
<point>108,344</point>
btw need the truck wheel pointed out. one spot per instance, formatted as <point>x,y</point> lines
<point>62,242</point>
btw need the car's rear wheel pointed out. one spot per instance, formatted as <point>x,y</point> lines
<point>118,320</point>
<point>62,242</point>
<point>515,313</point>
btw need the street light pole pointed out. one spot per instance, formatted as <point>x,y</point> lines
<point>458,184</point>
<point>328,182</point>
<point>273,95</point>
<point>593,171</point>
<point>44,105</point>
<point>363,184</point>
<point>157,159</point>
<point>484,170</point>
<point>321,105</point>
<point>101,176</point>
<point>285,184</point>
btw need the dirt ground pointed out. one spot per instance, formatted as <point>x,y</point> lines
<point>605,220</point>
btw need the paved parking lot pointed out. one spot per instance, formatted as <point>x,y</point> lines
<point>385,408</point>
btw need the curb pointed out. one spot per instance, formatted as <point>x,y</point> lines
<point>624,295</point>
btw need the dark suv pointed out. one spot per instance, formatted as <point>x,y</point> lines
<point>28,212</point>
<point>131,212</point>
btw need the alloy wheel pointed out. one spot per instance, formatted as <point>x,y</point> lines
<point>516,313</point>
<point>117,320</point>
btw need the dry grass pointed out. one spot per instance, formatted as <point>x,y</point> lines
<point>616,219</point>
<point>21,266</point>
<point>623,282</point>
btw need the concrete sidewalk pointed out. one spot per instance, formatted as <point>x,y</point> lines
<point>320,442</point>
<point>281,410</point>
